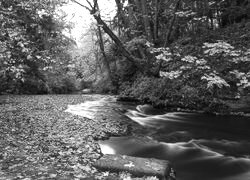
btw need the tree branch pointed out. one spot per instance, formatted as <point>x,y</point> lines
<point>90,10</point>
<point>95,5</point>
<point>111,34</point>
<point>90,4</point>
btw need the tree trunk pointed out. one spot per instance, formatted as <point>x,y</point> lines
<point>146,20</point>
<point>156,23</point>
<point>105,60</point>
<point>120,16</point>
<point>171,24</point>
<point>132,20</point>
<point>117,41</point>
<point>106,29</point>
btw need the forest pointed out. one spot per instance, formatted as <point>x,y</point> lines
<point>169,53</point>
<point>133,90</point>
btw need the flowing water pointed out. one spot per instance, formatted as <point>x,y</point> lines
<point>199,146</point>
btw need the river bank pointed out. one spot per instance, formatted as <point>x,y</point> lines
<point>239,106</point>
<point>61,136</point>
<point>39,140</point>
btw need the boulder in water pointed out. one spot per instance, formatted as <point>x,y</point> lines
<point>240,105</point>
<point>86,91</point>
<point>127,99</point>
<point>150,110</point>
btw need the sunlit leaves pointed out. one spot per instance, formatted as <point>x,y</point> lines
<point>185,13</point>
<point>206,66</point>
<point>214,80</point>
<point>189,59</point>
<point>171,74</point>
<point>217,48</point>
<point>162,53</point>
<point>243,78</point>
<point>201,61</point>
<point>162,57</point>
<point>243,57</point>
<point>214,52</point>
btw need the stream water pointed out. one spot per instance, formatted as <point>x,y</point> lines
<point>199,146</point>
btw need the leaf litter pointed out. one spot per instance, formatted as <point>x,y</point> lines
<point>38,140</point>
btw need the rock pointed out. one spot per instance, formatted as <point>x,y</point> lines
<point>86,91</point>
<point>150,110</point>
<point>177,136</point>
<point>240,105</point>
<point>136,166</point>
<point>127,99</point>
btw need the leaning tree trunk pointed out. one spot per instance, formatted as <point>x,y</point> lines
<point>105,60</point>
<point>114,38</point>
<point>94,11</point>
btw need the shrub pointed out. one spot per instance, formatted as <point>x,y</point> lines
<point>61,84</point>
<point>34,86</point>
<point>85,84</point>
<point>173,93</point>
<point>104,86</point>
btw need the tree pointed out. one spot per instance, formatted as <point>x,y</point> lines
<point>96,14</point>
<point>31,38</point>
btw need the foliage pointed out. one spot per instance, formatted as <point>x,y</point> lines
<point>183,45</point>
<point>168,93</point>
<point>188,46</point>
<point>214,80</point>
<point>214,70</point>
<point>31,41</point>
<point>61,84</point>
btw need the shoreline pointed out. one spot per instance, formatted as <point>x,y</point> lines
<point>43,141</point>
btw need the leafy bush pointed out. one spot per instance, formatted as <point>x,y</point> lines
<point>167,93</point>
<point>61,84</point>
<point>34,86</point>
<point>85,84</point>
<point>173,93</point>
<point>104,86</point>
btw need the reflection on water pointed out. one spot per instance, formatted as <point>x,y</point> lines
<point>199,146</point>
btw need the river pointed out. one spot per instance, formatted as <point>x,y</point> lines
<point>199,146</point>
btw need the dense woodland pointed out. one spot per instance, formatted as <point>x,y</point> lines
<point>177,53</point>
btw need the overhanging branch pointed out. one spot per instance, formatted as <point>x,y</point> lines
<point>111,34</point>
<point>86,7</point>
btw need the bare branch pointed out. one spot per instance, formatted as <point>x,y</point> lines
<point>95,5</point>
<point>90,4</point>
<point>90,10</point>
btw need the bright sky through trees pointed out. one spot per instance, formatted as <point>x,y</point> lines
<point>81,17</point>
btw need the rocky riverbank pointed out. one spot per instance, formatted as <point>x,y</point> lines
<point>39,140</point>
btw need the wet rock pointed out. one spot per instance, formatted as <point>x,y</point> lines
<point>127,99</point>
<point>178,136</point>
<point>240,105</point>
<point>150,110</point>
<point>136,166</point>
<point>86,91</point>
